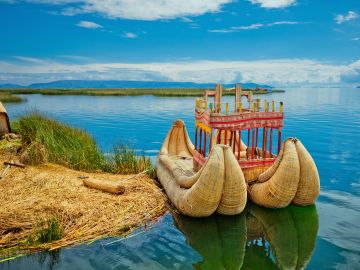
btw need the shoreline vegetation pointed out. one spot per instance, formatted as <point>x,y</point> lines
<point>7,97</point>
<point>46,205</point>
<point>159,92</point>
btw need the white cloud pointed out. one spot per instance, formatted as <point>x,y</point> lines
<point>130,35</point>
<point>31,60</point>
<point>274,3</point>
<point>351,15</point>
<point>90,25</point>
<point>253,26</point>
<point>283,72</point>
<point>248,27</point>
<point>356,39</point>
<point>138,9</point>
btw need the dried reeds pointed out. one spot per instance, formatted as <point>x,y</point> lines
<point>32,198</point>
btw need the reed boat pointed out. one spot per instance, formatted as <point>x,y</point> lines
<point>219,171</point>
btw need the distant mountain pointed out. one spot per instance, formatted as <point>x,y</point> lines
<point>10,85</point>
<point>98,84</point>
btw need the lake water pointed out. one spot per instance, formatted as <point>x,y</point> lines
<point>327,236</point>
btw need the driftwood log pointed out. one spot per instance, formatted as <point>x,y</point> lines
<point>105,185</point>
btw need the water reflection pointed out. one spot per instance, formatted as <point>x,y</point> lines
<point>258,239</point>
<point>219,240</point>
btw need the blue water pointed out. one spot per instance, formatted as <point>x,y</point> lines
<point>327,236</point>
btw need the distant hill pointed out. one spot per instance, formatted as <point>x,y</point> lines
<point>10,85</point>
<point>98,84</point>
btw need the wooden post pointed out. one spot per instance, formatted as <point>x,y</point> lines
<point>266,136</point>
<point>253,144</point>
<point>271,132</point>
<point>237,96</point>
<point>218,94</point>
<point>240,107</point>
<point>225,137</point>
<point>265,105</point>
<point>239,145</point>
<point>273,106</point>
<point>233,141</point>
<point>279,140</point>
<point>263,143</point>
<point>204,151</point>
<point>248,142</point>
<point>281,106</point>
<point>211,137</point>
<point>227,108</point>
<point>218,139</point>
<point>200,140</point>
<point>256,136</point>
<point>196,138</point>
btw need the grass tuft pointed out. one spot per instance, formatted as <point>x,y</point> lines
<point>47,140</point>
<point>126,161</point>
<point>51,230</point>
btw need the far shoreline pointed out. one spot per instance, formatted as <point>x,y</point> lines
<point>158,92</point>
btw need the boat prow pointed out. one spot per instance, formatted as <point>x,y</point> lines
<point>293,178</point>
<point>4,121</point>
<point>219,186</point>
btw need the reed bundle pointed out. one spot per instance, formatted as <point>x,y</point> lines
<point>35,200</point>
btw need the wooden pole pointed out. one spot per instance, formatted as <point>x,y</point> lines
<point>225,137</point>
<point>200,140</point>
<point>271,142</point>
<point>211,136</point>
<point>256,137</point>
<point>239,145</point>
<point>253,144</point>
<point>266,139</point>
<point>233,141</point>
<point>196,137</point>
<point>279,140</point>
<point>263,144</point>
<point>218,136</point>
<point>204,151</point>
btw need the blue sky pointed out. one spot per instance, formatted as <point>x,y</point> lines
<point>279,42</point>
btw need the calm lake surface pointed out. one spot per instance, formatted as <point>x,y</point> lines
<point>325,236</point>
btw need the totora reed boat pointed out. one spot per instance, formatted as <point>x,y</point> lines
<point>220,171</point>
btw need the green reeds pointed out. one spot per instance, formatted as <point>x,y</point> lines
<point>126,161</point>
<point>9,98</point>
<point>47,140</point>
<point>50,230</point>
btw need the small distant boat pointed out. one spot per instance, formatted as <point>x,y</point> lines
<point>220,171</point>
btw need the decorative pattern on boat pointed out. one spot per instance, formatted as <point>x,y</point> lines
<point>236,121</point>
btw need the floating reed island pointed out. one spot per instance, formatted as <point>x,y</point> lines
<point>220,171</point>
<point>159,92</point>
<point>45,203</point>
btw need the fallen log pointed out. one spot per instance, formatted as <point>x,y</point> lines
<point>105,185</point>
<point>14,163</point>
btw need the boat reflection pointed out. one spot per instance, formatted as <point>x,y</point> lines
<point>260,238</point>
